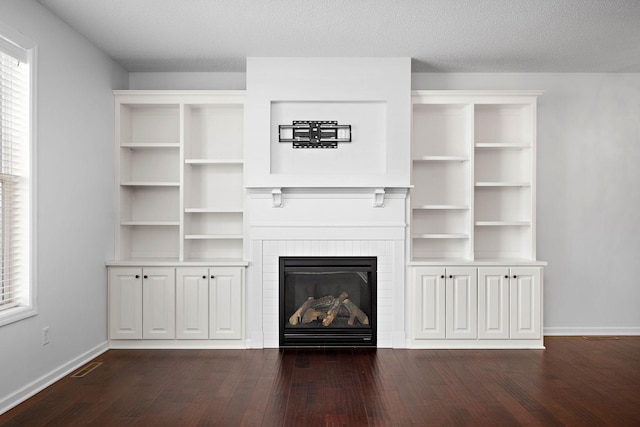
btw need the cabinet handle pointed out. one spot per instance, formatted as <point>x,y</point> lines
<point>204,277</point>
<point>137,276</point>
<point>145,277</point>
<point>442,277</point>
<point>515,277</point>
<point>506,276</point>
<point>213,277</point>
<point>450,276</point>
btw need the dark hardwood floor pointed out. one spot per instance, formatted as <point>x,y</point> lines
<point>575,382</point>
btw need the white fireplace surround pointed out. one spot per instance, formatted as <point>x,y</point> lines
<point>338,222</point>
<point>347,201</point>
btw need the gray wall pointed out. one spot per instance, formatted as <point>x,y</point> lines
<point>74,203</point>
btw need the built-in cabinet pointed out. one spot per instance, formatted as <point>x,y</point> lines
<point>183,303</point>
<point>472,206</point>
<point>179,211</point>
<point>209,302</point>
<point>496,307</point>
<point>509,303</point>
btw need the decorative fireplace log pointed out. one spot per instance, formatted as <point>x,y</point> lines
<point>297,316</point>
<point>312,314</point>
<point>327,309</point>
<point>334,309</point>
<point>355,313</point>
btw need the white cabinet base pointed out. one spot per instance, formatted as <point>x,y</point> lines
<point>188,307</point>
<point>476,306</point>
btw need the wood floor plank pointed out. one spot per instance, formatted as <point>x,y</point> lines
<point>574,382</point>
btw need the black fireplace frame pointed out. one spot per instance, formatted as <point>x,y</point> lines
<point>329,337</point>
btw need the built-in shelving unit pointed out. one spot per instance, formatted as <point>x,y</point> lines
<point>476,279</point>
<point>473,176</point>
<point>177,279</point>
<point>441,220</point>
<point>180,176</point>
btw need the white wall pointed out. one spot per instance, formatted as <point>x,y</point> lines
<point>74,204</point>
<point>588,200</point>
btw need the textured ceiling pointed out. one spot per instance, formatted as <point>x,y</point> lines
<point>440,35</point>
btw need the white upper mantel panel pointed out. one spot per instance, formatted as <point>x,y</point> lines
<point>373,95</point>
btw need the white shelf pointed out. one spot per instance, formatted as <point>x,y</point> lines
<point>151,223</point>
<point>149,146</point>
<point>441,207</point>
<point>498,145</point>
<point>213,161</point>
<point>213,236</point>
<point>502,223</point>
<point>503,184</point>
<point>149,184</point>
<point>213,210</point>
<point>441,159</point>
<point>441,236</point>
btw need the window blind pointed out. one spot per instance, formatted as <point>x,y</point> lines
<point>14,189</point>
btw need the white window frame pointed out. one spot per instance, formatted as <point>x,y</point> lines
<point>27,306</point>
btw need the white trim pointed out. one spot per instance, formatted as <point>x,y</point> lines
<point>34,387</point>
<point>31,48</point>
<point>591,331</point>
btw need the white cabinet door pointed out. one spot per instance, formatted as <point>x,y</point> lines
<point>192,303</point>
<point>461,303</point>
<point>525,303</point>
<point>225,303</point>
<point>125,303</point>
<point>493,303</point>
<point>429,302</point>
<point>158,303</point>
<point>509,303</point>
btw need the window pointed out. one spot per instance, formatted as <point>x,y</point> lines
<point>16,291</point>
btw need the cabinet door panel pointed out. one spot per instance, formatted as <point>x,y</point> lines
<point>158,303</point>
<point>192,303</point>
<point>525,291</point>
<point>225,303</point>
<point>461,303</point>
<point>429,303</point>
<point>493,303</point>
<point>125,303</point>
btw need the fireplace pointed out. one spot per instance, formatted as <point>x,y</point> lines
<point>327,301</point>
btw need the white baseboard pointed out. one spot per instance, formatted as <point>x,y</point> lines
<point>19,396</point>
<point>591,331</point>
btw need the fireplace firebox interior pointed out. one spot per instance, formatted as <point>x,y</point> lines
<point>328,301</point>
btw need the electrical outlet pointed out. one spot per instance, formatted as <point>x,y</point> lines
<point>45,335</point>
